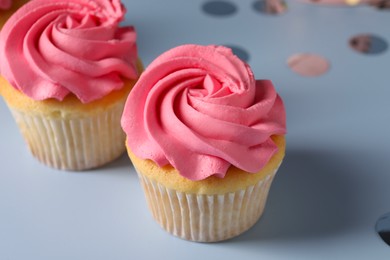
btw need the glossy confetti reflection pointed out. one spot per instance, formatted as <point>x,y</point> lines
<point>308,64</point>
<point>368,44</point>
<point>270,7</point>
<point>333,2</point>
<point>382,227</point>
<point>380,4</point>
<point>219,8</point>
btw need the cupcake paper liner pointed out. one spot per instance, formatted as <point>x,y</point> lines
<point>206,218</point>
<point>76,143</point>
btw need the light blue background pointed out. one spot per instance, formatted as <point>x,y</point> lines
<point>326,198</point>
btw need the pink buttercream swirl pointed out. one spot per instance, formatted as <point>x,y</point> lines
<point>200,109</point>
<point>50,49</point>
<point>5,4</point>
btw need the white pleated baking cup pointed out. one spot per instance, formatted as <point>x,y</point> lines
<point>206,218</point>
<point>75,143</point>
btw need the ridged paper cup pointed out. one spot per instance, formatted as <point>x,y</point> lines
<point>69,135</point>
<point>75,143</point>
<point>206,218</point>
<point>209,210</point>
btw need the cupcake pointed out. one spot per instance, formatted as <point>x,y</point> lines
<point>67,68</point>
<point>7,8</point>
<point>206,140</point>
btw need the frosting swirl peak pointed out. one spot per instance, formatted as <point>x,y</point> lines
<point>200,109</point>
<point>50,49</point>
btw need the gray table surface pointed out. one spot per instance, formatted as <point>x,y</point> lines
<point>326,198</point>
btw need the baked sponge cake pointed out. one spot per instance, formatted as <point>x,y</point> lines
<point>7,8</point>
<point>67,68</point>
<point>206,140</point>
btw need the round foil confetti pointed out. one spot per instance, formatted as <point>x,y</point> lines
<point>219,8</point>
<point>308,64</point>
<point>271,7</point>
<point>368,44</point>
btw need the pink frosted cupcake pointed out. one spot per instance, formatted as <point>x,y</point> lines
<point>67,68</point>
<point>206,139</point>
